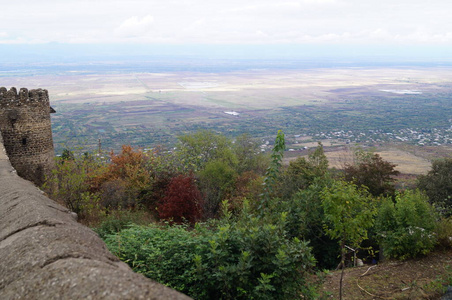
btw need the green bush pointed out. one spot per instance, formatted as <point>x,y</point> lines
<point>405,228</point>
<point>120,219</point>
<point>244,258</point>
<point>444,233</point>
<point>437,184</point>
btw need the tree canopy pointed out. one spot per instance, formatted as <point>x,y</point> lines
<point>373,172</point>
<point>437,184</point>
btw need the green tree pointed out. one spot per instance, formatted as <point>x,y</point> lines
<point>196,150</point>
<point>217,182</point>
<point>67,155</point>
<point>348,215</point>
<point>249,156</point>
<point>373,172</point>
<point>273,172</point>
<point>305,220</point>
<point>303,171</point>
<point>69,185</point>
<point>437,184</point>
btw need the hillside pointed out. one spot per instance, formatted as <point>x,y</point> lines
<point>422,278</point>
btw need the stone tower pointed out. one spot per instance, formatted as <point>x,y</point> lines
<point>26,130</point>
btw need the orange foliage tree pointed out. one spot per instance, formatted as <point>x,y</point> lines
<point>125,181</point>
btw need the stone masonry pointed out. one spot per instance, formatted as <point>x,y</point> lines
<point>27,133</point>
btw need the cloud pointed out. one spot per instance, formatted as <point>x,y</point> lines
<point>231,22</point>
<point>135,27</point>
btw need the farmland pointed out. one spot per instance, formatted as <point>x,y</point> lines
<point>373,107</point>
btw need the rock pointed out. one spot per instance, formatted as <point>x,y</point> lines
<point>359,262</point>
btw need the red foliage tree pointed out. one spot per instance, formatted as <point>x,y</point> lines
<point>182,201</point>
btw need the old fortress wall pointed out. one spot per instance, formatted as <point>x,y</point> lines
<point>45,252</point>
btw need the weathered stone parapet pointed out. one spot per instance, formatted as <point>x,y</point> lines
<point>46,254</point>
<point>11,97</point>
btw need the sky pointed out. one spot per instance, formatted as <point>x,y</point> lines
<point>411,26</point>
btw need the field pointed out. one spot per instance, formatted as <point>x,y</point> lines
<point>373,107</point>
<point>258,89</point>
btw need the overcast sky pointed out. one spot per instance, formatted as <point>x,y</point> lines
<point>275,22</point>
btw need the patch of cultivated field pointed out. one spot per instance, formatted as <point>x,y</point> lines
<point>340,156</point>
<point>407,163</point>
<point>258,89</point>
<point>297,101</point>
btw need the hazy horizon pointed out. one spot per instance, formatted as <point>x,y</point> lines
<point>66,53</point>
<point>332,30</point>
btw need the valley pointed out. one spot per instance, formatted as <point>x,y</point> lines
<point>386,108</point>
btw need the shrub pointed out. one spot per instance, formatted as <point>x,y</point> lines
<point>444,233</point>
<point>68,183</point>
<point>241,259</point>
<point>119,220</point>
<point>405,228</point>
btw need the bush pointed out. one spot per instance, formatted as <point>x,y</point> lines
<point>437,184</point>
<point>405,228</point>
<point>444,233</point>
<point>241,259</point>
<point>182,201</point>
<point>119,220</point>
<point>68,183</point>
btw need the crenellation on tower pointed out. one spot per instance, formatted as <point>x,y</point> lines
<point>11,94</point>
<point>24,97</point>
<point>23,94</point>
<point>27,133</point>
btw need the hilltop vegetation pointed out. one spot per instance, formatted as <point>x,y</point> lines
<point>218,219</point>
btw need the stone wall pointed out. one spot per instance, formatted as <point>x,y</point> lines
<point>46,254</point>
<point>27,132</point>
